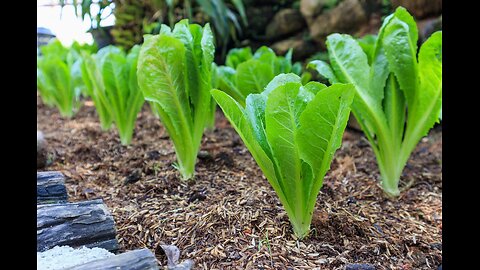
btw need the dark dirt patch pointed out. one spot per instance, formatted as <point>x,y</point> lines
<point>230,218</point>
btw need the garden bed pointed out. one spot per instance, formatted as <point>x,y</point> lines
<point>230,217</point>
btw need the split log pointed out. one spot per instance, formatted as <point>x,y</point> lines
<point>140,259</point>
<point>87,223</point>
<point>51,187</point>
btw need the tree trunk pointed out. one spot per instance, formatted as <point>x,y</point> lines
<point>51,187</point>
<point>140,259</point>
<point>87,223</point>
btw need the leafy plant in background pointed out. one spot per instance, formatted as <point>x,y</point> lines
<point>91,74</point>
<point>292,131</point>
<point>134,18</point>
<point>55,47</point>
<point>55,73</point>
<point>129,15</point>
<point>174,72</point>
<point>225,22</point>
<point>398,94</point>
<point>247,73</point>
<point>224,16</point>
<point>118,93</point>
<point>75,56</point>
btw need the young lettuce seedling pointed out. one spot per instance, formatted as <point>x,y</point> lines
<point>56,75</point>
<point>75,55</point>
<point>292,131</point>
<point>398,94</point>
<point>111,80</point>
<point>247,73</point>
<point>123,96</point>
<point>91,73</point>
<point>175,73</point>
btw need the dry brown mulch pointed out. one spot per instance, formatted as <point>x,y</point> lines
<point>230,218</point>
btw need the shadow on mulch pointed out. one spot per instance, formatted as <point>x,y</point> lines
<point>230,218</point>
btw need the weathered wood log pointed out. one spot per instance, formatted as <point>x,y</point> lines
<point>51,187</point>
<point>87,223</point>
<point>140,259</point>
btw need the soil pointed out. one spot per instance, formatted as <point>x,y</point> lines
<point>229,217</point>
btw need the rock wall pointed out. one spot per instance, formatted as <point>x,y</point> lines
<point>304,24</point>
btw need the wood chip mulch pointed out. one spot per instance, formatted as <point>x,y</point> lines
<point>229,217</point>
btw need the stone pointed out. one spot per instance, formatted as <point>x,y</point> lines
<point>420,8</point>
<point>204,155</point>
<point>285,22</point>
<point>371,27</point>
<point>348,17</point>
<point>263,15</point>
<point>353,123</point>
<point>42,152</point>
<point>311,8</point>
<point>426,27</point>
<point>301,47</point>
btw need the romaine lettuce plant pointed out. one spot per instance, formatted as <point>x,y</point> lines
<point>54,78</point>
<point>398,93</point>
<point>123,96</point>
<point>45,86</point>
<point>92,77</point>
<point>247,73</point>
<point>292,131</point>
<point>55,47</point>
<point>174,72</point>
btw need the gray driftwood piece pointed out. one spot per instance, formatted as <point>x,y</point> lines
<point>140,259</point>
<point>87,223</point>
<point>51,187</point>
